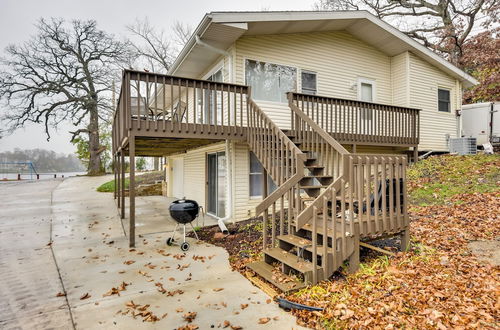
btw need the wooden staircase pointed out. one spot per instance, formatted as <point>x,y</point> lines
<point>289,265</point>
<point>313,221</point>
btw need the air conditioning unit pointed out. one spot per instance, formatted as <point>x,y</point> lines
<point>463,146</point>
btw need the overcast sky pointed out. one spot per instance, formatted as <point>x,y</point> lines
<point>17,18</point>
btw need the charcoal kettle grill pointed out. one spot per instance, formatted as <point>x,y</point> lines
<point>183,211</point>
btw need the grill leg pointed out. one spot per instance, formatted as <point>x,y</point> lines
<point>194,231</point>
<point>175,230</point>
<point>184,233</point>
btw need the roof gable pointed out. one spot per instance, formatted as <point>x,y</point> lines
<point>221,29</point>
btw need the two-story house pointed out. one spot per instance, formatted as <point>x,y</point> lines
<point>305,119</point>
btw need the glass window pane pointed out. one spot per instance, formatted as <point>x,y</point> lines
<point>366,92</point>
<point>444,100</point>
<point>255,185</point>
<point>221,184</point>
<point>270,82</point>
<point>444,106</point>
<point>308,80</point>
<point>271,186</point>
<point>443,95</point>
<point>255,166</point>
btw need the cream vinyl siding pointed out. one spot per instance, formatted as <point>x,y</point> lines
<point>425,80</point>
<point>195,172</point>
<point>400,79</point>
<point>244,206</point>
<point>195,178</point>
<point>338,58</point>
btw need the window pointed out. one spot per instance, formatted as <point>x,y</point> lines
<point>308,80</point>
<point>443,100</point>
<point>366,92</point>
<point>270,82</point>
<point>255,178</point>
<point>209,101</point>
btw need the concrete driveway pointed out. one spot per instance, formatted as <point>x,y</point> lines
<point>108,285</point>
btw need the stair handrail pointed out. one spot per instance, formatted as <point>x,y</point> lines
<point>327,137</point>
<point>255,134</point>
<point>307,213</point>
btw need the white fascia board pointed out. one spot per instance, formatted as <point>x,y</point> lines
<point>262,16</point>
<point>200,29</point>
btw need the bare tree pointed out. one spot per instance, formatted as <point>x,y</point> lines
<point>155,48</point>
<point>63,73</point>
<point>442,25</point>
<point>182,33</point>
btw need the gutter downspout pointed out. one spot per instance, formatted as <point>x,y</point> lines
<point>222,221</point>
<point>218,51</point>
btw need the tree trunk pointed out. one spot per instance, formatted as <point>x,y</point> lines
<point>95,167</point>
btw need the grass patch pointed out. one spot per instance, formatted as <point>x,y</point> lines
<point>435,180</point>
<point>110,186</point>
<point>145,178</point>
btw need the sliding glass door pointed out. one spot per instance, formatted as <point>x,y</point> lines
<point>216,184</point>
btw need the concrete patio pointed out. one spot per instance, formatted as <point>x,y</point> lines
<point>62,236</point>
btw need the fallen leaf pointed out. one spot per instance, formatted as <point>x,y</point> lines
<point>189,317</point>
<point>85,296</point>
<point>264,320</point>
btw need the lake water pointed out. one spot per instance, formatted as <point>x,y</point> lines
<point>43,176</point>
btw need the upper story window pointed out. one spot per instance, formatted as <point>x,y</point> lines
<point>270,82</point>
<point>366,93</point>
<point>308,80</point>
<point>444,100</point>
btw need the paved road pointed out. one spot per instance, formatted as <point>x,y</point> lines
<point>89,256</point>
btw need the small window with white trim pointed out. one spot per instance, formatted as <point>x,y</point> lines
<point>366,93</point>
<point>255,178</point>
<point>308,81</point>
<point>444,100</point>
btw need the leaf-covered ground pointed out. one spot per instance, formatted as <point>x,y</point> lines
<point>438,284</point>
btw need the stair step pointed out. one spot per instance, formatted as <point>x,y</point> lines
<point>312,176</point>
<point>312,187</point>
<point>285,283</point>
<point>302,243</point>
<point>290,260</point>
<point>314,166</point>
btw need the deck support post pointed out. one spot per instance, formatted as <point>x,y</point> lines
<point>118,168</point>
<point>266,213</point>
<point>122,184</point>
<point>415,154</point>
<point>115,174</point>
<point>131,191</point>
<point>354,148</point>
<point>354,258</point>
<point>405,240</point>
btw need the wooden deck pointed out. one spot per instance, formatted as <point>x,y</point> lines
<point>320,184</point>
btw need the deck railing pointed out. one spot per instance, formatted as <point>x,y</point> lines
<point>184,106</point>
<point>284,162</point>
<point>358,122</point>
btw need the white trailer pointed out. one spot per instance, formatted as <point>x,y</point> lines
<point>481,121</point>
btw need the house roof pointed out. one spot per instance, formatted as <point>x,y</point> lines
<point>219,30</point>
